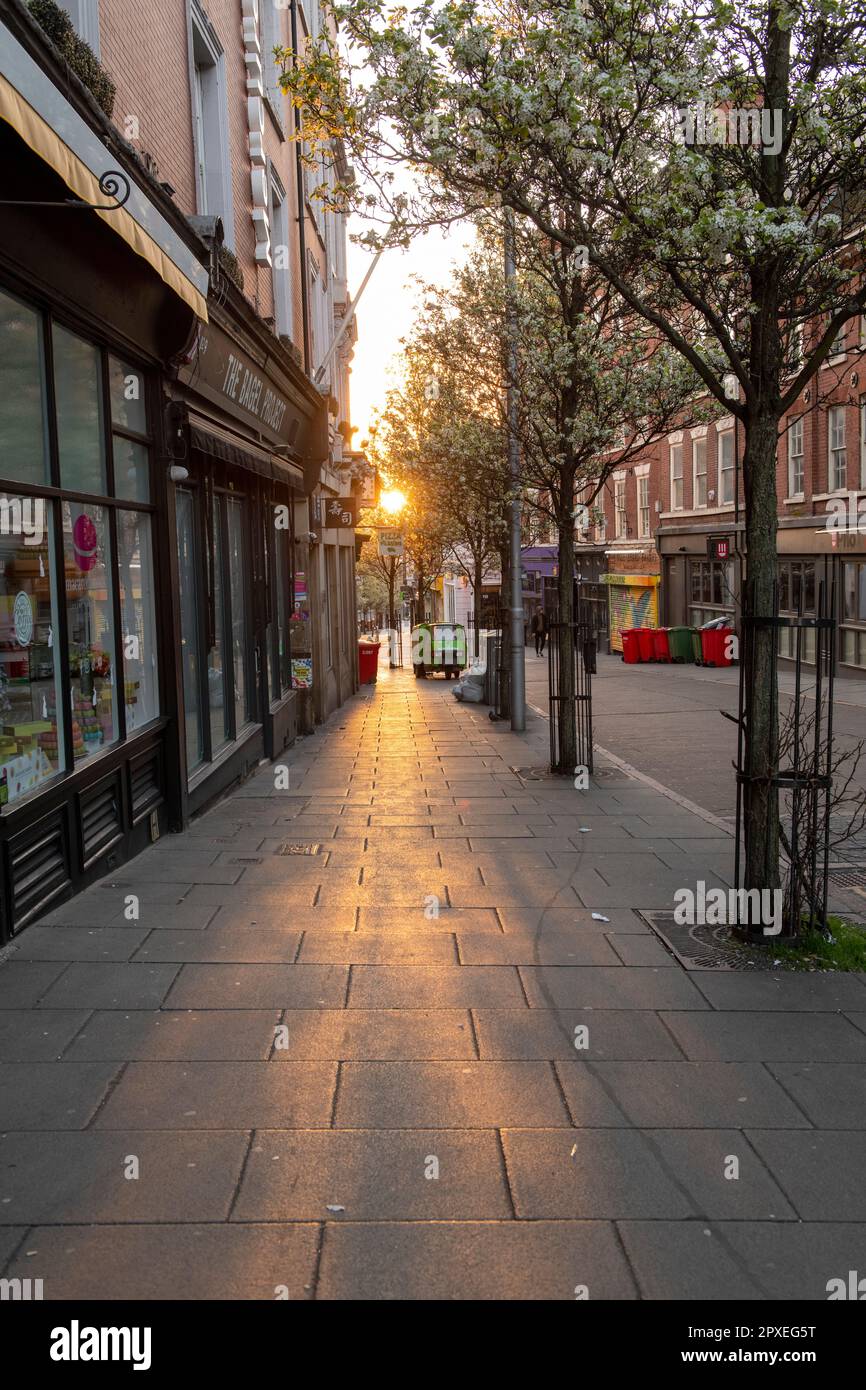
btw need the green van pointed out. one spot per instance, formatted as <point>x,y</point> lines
<point>438,647</point>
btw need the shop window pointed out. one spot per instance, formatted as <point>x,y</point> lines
<point>244,709</point>
<point>217,676</point>
<point>23,419</point>
<point>189,625</point>
<point>80,434</point>
<point>796,475</point>
<point>90,626</point>
<point>863,443</point>
<point>853,634</point>
<point>278,551</point>
<point>712,591</point>
<point>699,469</point>
<point>31,734</point>
<point>138,618</point>
<point>726,467</point>
<point>676,477</point>
<point>796,598</point>
<point>837,457</point>
<point>129,431</point>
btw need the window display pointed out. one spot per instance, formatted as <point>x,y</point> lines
<point>31,739</point>
<point>80,435</point>
<point>220,732</point>
<point>186,570</point>
<point>90,625</point>
<point>138,618</point>
<point>240,633</point>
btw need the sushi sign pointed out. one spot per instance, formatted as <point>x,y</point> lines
<point>719,547</point>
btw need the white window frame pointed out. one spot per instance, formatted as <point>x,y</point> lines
<point>796,457</point>
<point>271,34</point>
<point>643,506</point>
<point>699,448</point>
<point>214,193</point>
<point>836,449</point>
<point>620,515</point>
<point>281,278</point>
<point>727,475</point>
<point>677,453</point>
<point>838,347</point>
<point>85,20</point>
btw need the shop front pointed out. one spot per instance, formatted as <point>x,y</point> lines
<point>632,602</point>
<point>252,431</point>
<point>93,304</point>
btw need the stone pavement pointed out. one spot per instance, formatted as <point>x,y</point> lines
<point>353,1072</point>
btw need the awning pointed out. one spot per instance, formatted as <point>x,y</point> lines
<point>210,438</point>
<point>40,114</point>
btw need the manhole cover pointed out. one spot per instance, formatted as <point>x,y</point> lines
<point>709,948</point>
<point>849,878</point>
<point>298,849</point>
<point>532,774</point>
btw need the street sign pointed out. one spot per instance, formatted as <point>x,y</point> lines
<point>341,512</point>
<point>390,542</point>
<point>719,547</point>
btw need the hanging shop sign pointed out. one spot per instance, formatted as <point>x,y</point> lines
<point>390,542</point>
<point>341,512</point>
<point>720,547</point>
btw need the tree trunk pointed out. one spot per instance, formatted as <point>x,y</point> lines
<point>505,627</point>
<point>760,797</point>
<point>392,619</point>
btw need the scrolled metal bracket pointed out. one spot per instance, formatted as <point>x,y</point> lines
<point>112,184</point>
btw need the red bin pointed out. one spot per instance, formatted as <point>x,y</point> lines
<point>645,637</point>
<point>368,662</point>
<point>661,650</point>
<point>630,646</point>
<point>715,646</point>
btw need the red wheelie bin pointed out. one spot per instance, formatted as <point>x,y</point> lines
<point>368,661</point>
<point>661,649</point>
<point>646,642</point>
<point>716,646</point>
<point>630,646</point>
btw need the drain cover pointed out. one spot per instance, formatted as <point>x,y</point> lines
<point>532,774</point>
<point>709,948</point>
<point>298,849</point>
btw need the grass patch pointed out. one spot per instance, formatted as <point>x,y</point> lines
<point>847,950</point>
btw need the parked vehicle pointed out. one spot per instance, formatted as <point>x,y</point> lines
<point>438,647</point>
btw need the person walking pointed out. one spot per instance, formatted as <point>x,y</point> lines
<point>539,630</point>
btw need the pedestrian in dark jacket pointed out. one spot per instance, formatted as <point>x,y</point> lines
<point>539,631</point>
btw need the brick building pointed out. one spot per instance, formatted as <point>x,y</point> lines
<point>653,517</point>
<point>176,587</point>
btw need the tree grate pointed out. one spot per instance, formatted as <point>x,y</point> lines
<point>848,878</point>
<point>703,947</point>
<point>286,849</point>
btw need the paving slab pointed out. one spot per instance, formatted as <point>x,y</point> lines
<point>80,943</point>
<point>214,1035</point>
<point>27,1035</point>
<point>169,1262</point>
<point>761,990</point>
<point>259,987</point>
<point>221,944</point>
<point>548,948</point>
<point>373,1175</point>
<point>458,1095</point>
<point>88,1177</point>
<point>96,985</point>
<point>530,1034</point>
<point>608,987</point>
<point>45,1095</point>
<point>831,1094</point>
<point>472,1261</point>
<point>434,986</point>
<point>220,1095</point>
<point>674,1094</point>
<point>821,1172</point>
<point>767,1037</point>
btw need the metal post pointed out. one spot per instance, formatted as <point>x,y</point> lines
<point>518,673</point>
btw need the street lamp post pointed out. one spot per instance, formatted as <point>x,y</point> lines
<point>518,672</point>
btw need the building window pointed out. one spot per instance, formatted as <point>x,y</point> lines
<point>272,37</point>
<point>711,590</point>
<point>71,685</point>
<point>699,472</point>
<point>837,347</point>
<point>863,442</point>
<point>85,20</point>
<point>796,586</point>
<point>726,467</point>
<point>794,348</point>
<point>676,477</point>
<point>210,123</point>
<point>853,634</point>
<point>837,458</point>
<point>643,507</point>
<point>796,477</point>
<point>280,262</point>
<point>620,519</point>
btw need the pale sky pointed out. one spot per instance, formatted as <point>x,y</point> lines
<point>386,312</point>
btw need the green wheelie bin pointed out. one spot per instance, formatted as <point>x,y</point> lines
<point>680,643</point>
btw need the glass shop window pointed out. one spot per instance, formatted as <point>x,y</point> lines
<point>23,413</point>
<point>90,626</point>
<point>31,734</point>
